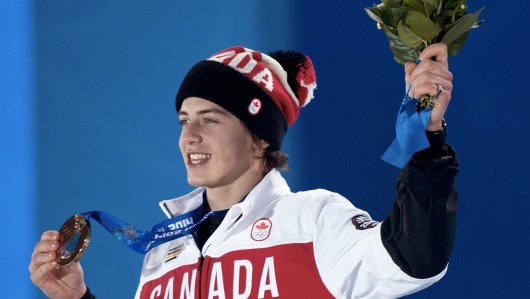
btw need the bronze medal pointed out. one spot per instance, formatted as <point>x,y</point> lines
<point>75,236</point>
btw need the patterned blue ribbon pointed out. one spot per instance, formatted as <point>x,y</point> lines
<point>142,241</point>
<point>410,133</point>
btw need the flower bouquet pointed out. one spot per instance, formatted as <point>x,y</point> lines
<point>412,25</point>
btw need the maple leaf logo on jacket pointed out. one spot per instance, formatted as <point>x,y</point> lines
<point>261,229</point>
<point>262,225</point>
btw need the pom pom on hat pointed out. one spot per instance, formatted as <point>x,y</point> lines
<point>300,74</point>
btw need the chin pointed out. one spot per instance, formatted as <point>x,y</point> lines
<point>197,181</point>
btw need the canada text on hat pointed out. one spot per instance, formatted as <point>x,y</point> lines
<point>269,74</point>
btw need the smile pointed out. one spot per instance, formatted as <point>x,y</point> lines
<point>198,158</point>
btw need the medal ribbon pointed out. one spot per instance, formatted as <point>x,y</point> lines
<point>142,241</point>
<point>410,133</point>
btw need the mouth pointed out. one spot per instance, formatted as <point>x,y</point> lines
<point>195,159</point>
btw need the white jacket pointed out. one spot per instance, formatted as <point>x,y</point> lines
<point>278,244</point>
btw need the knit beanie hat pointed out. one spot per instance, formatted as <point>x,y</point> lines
<point>265,92</point>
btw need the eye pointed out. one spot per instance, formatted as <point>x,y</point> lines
<point>184,122</point>
<point>210,120</point>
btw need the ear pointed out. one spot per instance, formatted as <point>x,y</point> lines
<point>263,144</point>
<point>259,146</point>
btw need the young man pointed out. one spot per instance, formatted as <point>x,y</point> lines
<point>263,241</point>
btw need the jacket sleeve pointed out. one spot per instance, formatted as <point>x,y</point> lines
<point>88,295</point>
<point>419,231</point>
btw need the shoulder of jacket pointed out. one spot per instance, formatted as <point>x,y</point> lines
<point>314,200</point>
<point>318,195</point>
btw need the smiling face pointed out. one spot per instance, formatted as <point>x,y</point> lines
<point>218,150</point>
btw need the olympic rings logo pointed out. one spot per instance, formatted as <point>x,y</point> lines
<point>261,229</point>
<point>260,234</point>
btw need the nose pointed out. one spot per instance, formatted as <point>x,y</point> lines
<point>190,134</point>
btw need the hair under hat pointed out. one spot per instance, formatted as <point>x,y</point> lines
<point>265,92</point>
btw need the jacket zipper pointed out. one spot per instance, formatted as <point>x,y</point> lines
<point>203,272</point>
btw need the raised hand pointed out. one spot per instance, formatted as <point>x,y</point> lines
<point>427,76</point>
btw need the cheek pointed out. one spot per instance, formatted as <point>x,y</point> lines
<point>234,150</point>
<point>243,151</point>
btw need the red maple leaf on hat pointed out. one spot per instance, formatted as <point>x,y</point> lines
<point>262,225</point>
<point>256,104</point>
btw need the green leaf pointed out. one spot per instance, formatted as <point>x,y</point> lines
<point>402,53</point>
<point>477,24</point>
<point>459,10</point>
<point>417,5</point>
<point>374,14</point>
<point>443,24</point>
<point>431,6</point>
<point>388,18</point>
<point>452,3</point>
<point>439,10</point>
<point>389,4</point>
<point>448,13</point>
<point>455,47</point>
<point>411,25</point>
<point>422,26</point>
<point>387,14</point>
<point>460,27</point>
<point>408,37</point>
<point>400,13</point>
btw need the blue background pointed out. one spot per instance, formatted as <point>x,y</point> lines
<point>87,122</point>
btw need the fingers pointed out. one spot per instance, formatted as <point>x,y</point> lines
<point>433,67</point>
<point>49,241</point>
<point>41,275</point>
<point>43,257</point>
<point>53,280</point>
<point>50,235</point>
<point>432,70</point>
<point>437,52</point>
<point>424,78</point>
<point>426,83</point>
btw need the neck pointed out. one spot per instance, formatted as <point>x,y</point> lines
<point>224,197</point>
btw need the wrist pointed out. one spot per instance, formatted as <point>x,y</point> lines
<point>84,292</point>
<point>437,127</point>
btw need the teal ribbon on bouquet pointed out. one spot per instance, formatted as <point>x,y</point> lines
<point>410,133</point>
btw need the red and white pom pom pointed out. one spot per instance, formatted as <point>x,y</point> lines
<point>300,74</point>
<point>307,81</point>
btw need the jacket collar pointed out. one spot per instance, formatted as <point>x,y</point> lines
<point>273,185</point>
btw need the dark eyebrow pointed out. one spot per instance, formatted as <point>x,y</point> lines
<point>212,110</point>
<point>205,111</point>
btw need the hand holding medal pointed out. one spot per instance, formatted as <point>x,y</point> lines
<point>47,274</point>
<point>55,267</point>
